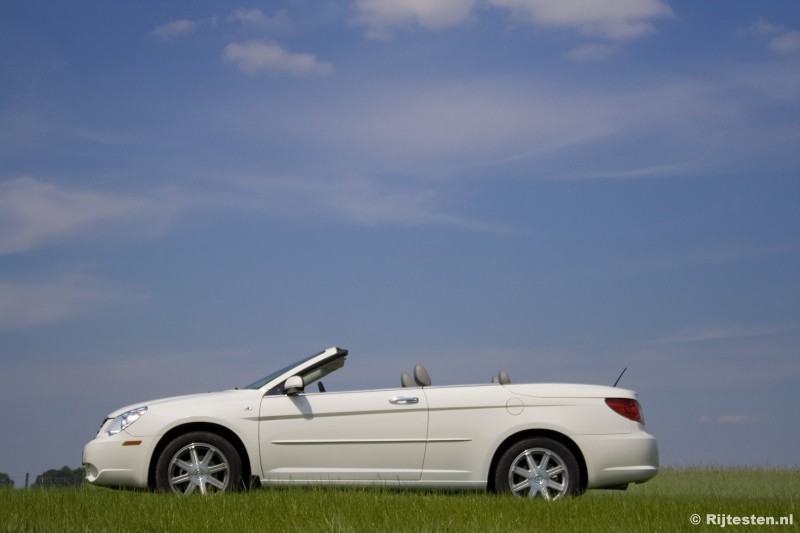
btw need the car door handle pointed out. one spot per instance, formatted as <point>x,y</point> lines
<point>403,400</point>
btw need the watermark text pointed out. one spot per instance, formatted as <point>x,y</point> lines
<point>724,520</point>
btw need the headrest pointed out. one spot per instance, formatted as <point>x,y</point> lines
<point>421,376</point>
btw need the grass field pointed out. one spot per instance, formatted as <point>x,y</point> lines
<point>663,504</point>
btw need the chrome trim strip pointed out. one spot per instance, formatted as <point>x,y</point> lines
<point>369,441</point>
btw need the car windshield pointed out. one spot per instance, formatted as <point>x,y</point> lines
<point>266,379</point>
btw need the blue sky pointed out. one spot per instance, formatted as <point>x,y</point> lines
<point>193,194</point>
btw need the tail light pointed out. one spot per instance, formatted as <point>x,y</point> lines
<point>626,407</point>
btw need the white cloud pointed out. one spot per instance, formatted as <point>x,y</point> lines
<point>258,56</point>
<point>382,16</point>
<point>176,28</point>
<point>617,20</point>
<point>33,212</point>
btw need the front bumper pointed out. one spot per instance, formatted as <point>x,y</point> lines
<point>118,461</point>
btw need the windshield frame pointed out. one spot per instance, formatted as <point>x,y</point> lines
<point>298,367</point>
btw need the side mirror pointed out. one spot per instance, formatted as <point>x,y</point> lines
<point>293,386</point>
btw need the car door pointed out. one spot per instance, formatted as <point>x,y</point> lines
<point>361,435</point>
<point>465,423</point>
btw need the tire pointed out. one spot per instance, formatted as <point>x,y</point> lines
<point>199,462</point>
<point>538,467</point>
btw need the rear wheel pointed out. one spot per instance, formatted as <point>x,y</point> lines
<point>199,462</point>
<point>538,467</point>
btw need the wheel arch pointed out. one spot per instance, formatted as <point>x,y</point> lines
<point>533,433</point>
<point>209,427</point>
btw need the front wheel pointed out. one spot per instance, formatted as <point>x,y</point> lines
<point>199,462</point>
<point>538,467</point>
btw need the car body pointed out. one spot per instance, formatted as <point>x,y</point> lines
<point>547,440</point>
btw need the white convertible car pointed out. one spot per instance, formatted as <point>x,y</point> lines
<point>537,440</point>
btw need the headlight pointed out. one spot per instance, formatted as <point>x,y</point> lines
<point>124,420</point>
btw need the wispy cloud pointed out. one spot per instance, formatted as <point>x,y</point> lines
<point>591,52</point>
<point>375,203</point>
<point>468,125</point>
<point>104,137</point>
<point>468,122</point>
<point>176,28</point>
<point>653,171</point>
<point>26,304</point>
<point>778,38</point>
<point>382,17</point>
<point>256,17</point>
<point>148,374</point>
<point>33,212</point>
<point>727,419</point>
<point>353,199</point>
<point>786,43</point>
<point>253,57</point>
<point>718,333</point>
<point>24,130</point>
<point>252,16</point>
<point>619,20</point>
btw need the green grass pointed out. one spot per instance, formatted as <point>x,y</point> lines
<point>663,504</point>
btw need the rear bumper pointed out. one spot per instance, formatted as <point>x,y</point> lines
<point>613,460</point>
<point>119,461</point>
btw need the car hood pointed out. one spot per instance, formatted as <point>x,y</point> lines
<point>220,396</point>
<point>569,390</point>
